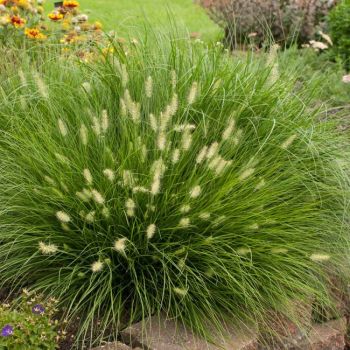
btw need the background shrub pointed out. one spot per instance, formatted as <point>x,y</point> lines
<point>173,179</point>
<point>261,20</point>
<point>339,26</point>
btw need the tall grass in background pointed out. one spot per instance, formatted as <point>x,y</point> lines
<point>173,178</point>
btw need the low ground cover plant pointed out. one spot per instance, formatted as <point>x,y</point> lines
<point>29,324</point>
<point>173,179</point>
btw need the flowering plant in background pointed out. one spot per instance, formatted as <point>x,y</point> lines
<point>29,324</point>
<point>25,22</point>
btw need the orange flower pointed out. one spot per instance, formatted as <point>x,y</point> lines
<point>70,4</point>
<point>55,16</point>
<point>17,21</point>
<point>34,33</point>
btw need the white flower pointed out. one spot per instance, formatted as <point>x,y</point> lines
<point>192,95</point>
<point>62,216</point>
<point>195,192</point>
<point>151,230</point>
<point>149,87</point>
<point>346,79</point>
<point>246,173</point>
<point>104,121</point>
<point>120,245</point>
<point>140,189</point>
<point>83,134</point>
<point>47,249</point>
<point>184,222</point>
<point>97,196</point>
<point>109,173</point>
<point>319,257</point>
<point>288,142</point>
<point>62,127</point>
<point>318,45</point>
<point>97,266</point>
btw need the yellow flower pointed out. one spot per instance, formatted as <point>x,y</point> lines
<point>97,26</point>
<point>55,16</point>
<point>24,4</point>
<point>34,33</point>
<point>70,4</point>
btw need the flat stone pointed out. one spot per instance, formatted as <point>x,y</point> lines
<point>113,346</point>
<point>160,333</point>
<point>327,336</point>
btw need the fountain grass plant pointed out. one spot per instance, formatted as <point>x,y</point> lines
<point>169,178</point>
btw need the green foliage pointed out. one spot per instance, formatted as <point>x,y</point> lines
<point>339,26</point>
<point>169,179</point>
<point>30,325</point>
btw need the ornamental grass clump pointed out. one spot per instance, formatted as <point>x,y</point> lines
<point>175,179</point>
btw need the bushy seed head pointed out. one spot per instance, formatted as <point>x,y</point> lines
<point>83,134</point>
<point>97,197</point>
<point>149,87</point>
<point>195,192</point>
<point>109,173</point>
<point>288,142</point>
<point>63,217</point>
<point>318,257</point>
<point>88,177</point>
<point>212,150</point>
<point>180,291</point>
<point>246,174</point>
<point>151,230</point>
<point>192,95</point>
<point>62,127</point>
<point>120,245</point>
<point>184,222</point>
<point>104,121</point>
<point>229,130</point>
<point>47,248</point>
<point>175,156</point>
<point>97,266</point>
